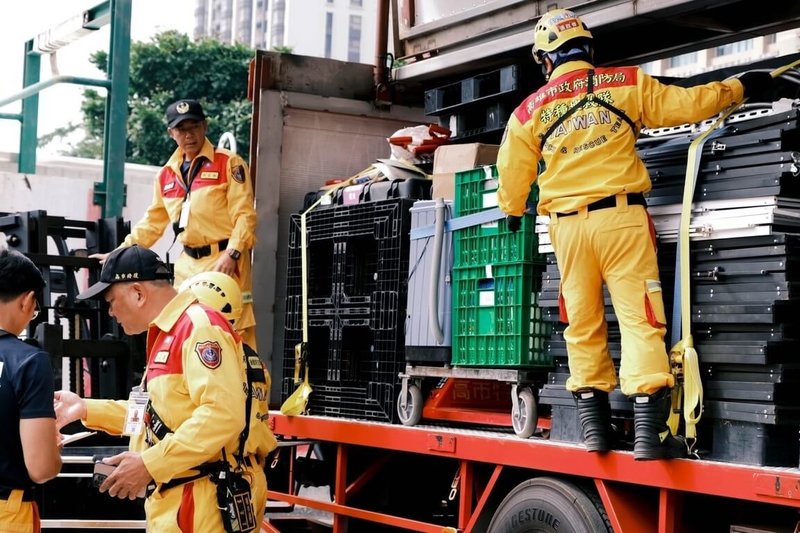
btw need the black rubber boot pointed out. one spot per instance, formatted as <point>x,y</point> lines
<point>654,440</point>
<point>594,413</point>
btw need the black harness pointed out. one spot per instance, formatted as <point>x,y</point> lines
<point>589,97</point>
<point>160,429</point>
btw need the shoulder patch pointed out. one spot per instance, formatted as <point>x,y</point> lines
<point>210,353</point>
<point>238,173</point>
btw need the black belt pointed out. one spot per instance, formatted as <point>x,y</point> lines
<point>27,494</point>
<point>203,251</point>
<point>636,198</point>
<point>205,470</point>
<point>179,481</point>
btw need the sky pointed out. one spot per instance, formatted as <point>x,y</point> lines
<point>59,105</point>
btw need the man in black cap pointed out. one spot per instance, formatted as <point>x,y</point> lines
<point>29,451</point>
<point>206,194</point>
<point>186,418</point>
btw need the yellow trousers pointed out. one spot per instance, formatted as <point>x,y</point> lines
<point>192,508</point>
<point>17,516</point>
<point>615,246</point>
<point>187,266</point>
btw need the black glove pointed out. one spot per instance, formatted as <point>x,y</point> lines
<point>757,85</point>
<point>514,223</point>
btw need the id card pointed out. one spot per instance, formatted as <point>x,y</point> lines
<point>184,220</point>
<point>134,419</point>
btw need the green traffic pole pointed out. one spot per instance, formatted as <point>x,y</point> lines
<point>30,113</point>
<point>112,194</point>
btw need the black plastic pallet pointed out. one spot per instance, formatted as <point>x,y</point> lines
<point>356,307</point>
<point>353,251</point>
<point>365,401</point>
<point>480,119</point>
<point>347,350</point>
<point>456,96</point>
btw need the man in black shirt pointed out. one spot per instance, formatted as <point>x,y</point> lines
<point>29,451</point>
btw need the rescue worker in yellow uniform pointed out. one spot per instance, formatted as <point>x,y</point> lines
<point>206,194</point>
<point>221,293</point>
<point>583,124</point>
<point>188,417</point>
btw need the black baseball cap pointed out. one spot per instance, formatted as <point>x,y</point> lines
<point>127,264</point>
<point>182,110</point>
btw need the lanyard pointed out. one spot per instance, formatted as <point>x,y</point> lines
<point>193,171</point>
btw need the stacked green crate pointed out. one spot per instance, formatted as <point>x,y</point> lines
<point>496,277</point>
<point>491,243</point>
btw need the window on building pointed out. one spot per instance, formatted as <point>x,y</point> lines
<point>328,34</point>
<point>356,3</point>
<point>354,39</point>
<point>683,60</point>
<point>648,68</point>
<point>734,48</point>
<point>277,23</point>
<point>330,2</point>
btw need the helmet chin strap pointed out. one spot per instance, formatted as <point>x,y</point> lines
<point>546,70</point>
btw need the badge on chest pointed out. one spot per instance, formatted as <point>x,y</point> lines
<point>134,418</point>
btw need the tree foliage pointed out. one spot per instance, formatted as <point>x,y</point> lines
<point>169,67</point>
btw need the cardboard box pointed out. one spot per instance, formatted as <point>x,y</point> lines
<point>451,158</point>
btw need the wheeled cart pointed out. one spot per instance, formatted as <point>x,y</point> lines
<point>472,395</point>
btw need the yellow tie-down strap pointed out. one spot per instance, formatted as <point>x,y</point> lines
<point>684,357</point>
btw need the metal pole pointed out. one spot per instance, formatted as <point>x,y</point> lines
<point>36,88</point>
<point>28,129</point>
<point>110,194</point>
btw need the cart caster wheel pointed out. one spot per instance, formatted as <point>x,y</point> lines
<point>412,414</point>
<point>525,419</point>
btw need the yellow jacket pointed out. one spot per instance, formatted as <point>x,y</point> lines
<point>592,154</point>
<point>196,379</point>
<point>221,200</point>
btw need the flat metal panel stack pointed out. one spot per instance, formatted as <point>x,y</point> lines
<point>357,288</point>
<point>745,275</point>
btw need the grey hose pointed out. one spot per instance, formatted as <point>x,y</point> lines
<point>436,260</point>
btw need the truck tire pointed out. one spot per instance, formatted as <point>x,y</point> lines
<point>548,505</point>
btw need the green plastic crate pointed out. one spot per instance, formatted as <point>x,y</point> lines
<point>496,322</point>
<point>490,243</point>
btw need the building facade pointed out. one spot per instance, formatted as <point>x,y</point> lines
<point>728,55</point>
<point>337,29</point>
